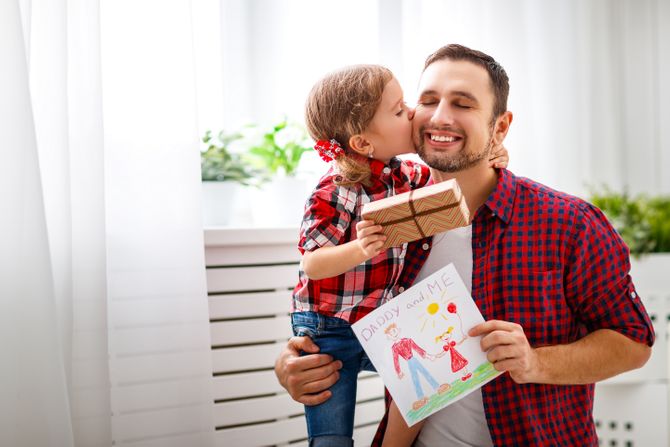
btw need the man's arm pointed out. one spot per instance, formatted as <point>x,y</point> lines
<point>419,350</point>
<point>396,360</point>
<point>598,288</point>
<point>306,378</point>
<point>599,355</point>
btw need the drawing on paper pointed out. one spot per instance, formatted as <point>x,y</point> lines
<point>419,346</point>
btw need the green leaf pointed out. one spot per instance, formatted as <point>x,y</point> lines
<point>260,161</point>
<point>642,222</point>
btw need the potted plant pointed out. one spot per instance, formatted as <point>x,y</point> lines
<point>278,151</point>
<point>222,172</point>
<point>267,160</point>
<point>219,164</point>
<point>642,221</point>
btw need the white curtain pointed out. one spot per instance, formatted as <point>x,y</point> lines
<point>274,51</point>
<point>33,384</point>
<point>104,324</point>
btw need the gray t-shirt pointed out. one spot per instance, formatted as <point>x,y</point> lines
<point>462,423</point>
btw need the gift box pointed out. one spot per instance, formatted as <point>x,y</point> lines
<point>419,213</point>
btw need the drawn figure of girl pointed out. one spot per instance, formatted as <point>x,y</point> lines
<point>458,362</point>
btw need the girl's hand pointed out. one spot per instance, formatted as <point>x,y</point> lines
<point>499,157</point>
<point>370,239</point>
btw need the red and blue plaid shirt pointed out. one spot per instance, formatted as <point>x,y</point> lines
<point>553,264</point>
<point>331,215</point>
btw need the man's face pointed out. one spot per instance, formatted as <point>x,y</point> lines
<point>453,119</point>
<point>393,332</point>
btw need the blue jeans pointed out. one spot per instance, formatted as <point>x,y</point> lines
<point>332,422</point>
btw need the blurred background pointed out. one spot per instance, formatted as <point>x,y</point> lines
<point>587,78</point>
<point>110,108</point>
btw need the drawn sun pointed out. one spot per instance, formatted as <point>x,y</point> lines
<point>434,311</point>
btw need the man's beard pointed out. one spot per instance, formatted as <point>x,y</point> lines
<point>459,161</point>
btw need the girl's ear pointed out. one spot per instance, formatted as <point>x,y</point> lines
<point>361,145</point>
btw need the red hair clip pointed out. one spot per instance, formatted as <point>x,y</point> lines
<point>328,150</point>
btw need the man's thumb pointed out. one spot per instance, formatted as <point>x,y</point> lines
<point>304,344</point>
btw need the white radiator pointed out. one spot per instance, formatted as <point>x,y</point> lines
<point>250,275</point>
<point>631,410</point>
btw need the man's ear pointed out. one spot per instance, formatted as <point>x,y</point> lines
<point>502,127</point>
<point>361,145</point>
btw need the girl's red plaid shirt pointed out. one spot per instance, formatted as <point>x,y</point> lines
<point>331,215</point>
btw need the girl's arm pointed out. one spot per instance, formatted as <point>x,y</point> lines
<point>326,262</point>
<point>499,157</point>
<point>398,434</point>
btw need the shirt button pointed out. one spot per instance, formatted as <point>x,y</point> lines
<point>386,170</point>
<point>633,295</point>
<point>425,246</point>
<point>401,289</point>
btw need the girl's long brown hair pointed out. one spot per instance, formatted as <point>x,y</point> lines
<point>341,105</point>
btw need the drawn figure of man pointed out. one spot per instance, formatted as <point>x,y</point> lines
<point>405,348</point>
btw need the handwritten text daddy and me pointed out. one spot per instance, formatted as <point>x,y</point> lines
<point>390,314</point>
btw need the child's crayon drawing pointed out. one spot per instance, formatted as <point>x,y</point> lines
<point>419,346</point>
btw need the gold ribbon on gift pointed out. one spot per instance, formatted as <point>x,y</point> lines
<point>414,216</point>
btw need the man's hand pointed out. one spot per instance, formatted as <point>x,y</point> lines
<point>507,347</point>
<point>306,378</point>
<point>369,237</point>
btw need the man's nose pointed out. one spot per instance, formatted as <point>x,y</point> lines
<point>442,114</point>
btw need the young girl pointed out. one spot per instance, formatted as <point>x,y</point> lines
<point>360,122</point>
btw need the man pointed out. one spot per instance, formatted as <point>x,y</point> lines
<point>546,269</point>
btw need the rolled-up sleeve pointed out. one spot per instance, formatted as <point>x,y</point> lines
<point>598,282</point>
<point>329,215</point>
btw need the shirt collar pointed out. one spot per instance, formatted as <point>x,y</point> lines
<point>501,200</point>
<point>377,167</point>
<point>383,175</point>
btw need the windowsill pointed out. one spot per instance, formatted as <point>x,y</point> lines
<point>215,236</point>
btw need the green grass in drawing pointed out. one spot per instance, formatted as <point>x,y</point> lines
<point>483,373</point>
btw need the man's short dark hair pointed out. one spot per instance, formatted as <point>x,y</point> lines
<point>497,75</point>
